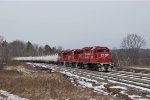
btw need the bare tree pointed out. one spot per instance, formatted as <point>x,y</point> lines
<point>47,49</point>
<point>133,41</point>
<point>1,40</point>
<point>4,50</point>
<point>30,49</point>
<point>19,48</point>
<point>131,46</point>
<point>36,49</point>
<point>59,48</point>
<point>40,51</point>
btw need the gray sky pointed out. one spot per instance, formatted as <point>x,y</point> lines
<point>74,24</point>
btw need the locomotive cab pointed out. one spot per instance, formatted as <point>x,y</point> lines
<point>101,56</point>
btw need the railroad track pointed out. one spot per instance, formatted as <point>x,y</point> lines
<point>141,75</point>
<point>122,77</point>
<point>134,81</point>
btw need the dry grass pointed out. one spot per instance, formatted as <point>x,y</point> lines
<point>41,85</point>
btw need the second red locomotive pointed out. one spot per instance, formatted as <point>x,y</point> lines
<point>95,58</point>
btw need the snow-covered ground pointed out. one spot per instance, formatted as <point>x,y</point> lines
<point>4,95</point>
<point>82,81</point>
<point>87,83</point>
<point>129,85</point>
<point>119,87</point>
<point>97,86</point>
<point>141,68</point>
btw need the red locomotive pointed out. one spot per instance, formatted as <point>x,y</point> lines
<point>95,58</point>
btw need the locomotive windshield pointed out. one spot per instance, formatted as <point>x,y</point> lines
<point>102,50</point>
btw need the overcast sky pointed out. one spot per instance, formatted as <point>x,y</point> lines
<point>74,24</point>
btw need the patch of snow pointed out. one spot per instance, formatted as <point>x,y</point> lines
<point>88,75</point>
<point>123,92</point>
<point>148,95</point>
<point>120,87</point>
<point>10,96</point>
<point>134,73</point>
<point>22,69</point>
<point>98,78</point>
<point>90,80</point>
<point>136,97</point>
<point>70,74</point>
<point>18,68</point>
<point>86,84</point>
<point>101,88</point>
<point>52,71</point>
<point>141,68</point>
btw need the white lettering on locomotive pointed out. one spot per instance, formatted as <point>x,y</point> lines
<point>104,55</point>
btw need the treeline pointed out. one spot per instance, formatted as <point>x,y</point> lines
<point>131,52</point>
<point>121,58</point>
<point>20,48</point>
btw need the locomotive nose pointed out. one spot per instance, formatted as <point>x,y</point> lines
<point>107,58</point>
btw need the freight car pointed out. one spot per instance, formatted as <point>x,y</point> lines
<point>94,58</point>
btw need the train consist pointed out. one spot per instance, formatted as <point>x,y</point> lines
<point>94,58</point>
